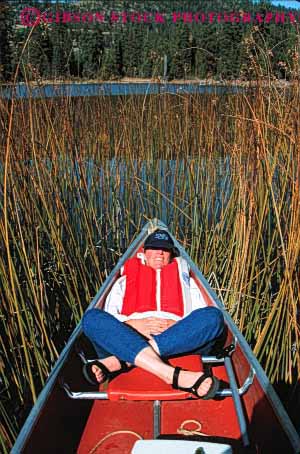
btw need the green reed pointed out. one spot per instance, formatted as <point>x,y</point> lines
<point>83,175</point>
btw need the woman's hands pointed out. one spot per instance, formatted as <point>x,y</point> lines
<point>150,325</point>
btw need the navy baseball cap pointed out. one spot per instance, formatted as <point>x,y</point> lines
<point>160,239</point>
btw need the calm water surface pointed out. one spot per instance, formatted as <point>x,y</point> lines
<point>110,89</point>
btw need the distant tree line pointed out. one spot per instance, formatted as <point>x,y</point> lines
<point>179,50</point>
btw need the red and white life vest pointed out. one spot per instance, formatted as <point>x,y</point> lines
<point>156,290</point>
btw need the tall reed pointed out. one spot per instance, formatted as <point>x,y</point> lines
<point>85,174</point>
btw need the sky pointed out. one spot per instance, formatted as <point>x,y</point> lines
<point>287,3</point>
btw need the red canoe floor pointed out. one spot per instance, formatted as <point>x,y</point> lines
<point>130,409</point>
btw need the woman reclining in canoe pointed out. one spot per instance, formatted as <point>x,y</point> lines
<point>154,311</point>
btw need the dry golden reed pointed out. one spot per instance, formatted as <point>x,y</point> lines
<point>81,176</point>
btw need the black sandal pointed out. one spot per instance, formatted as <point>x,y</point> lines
<point>211,393</point>
<point>108,375</point>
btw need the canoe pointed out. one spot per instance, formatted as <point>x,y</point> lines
<point>136,412</point>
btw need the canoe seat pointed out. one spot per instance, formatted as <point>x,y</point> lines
<point>138,384</point>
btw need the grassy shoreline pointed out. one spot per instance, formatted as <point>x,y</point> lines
<point>131,80</point>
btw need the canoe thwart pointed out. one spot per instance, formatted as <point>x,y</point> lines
<point>100,395</point>
<point>87,395</point>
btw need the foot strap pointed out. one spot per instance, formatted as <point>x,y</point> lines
<point>175,377</point>
<point>199,382</point>
<point>194,389</point>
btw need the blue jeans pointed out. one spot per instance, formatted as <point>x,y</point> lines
<point>196,333</point>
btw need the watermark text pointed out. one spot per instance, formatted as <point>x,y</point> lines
<point>31,17</point>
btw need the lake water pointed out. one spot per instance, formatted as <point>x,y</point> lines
<point>21,91</point>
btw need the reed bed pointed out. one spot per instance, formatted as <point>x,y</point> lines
<point>81,176</point>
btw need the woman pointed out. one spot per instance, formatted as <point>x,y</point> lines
<point>154,311</point>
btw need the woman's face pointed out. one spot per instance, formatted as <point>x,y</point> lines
<point>157,258</point>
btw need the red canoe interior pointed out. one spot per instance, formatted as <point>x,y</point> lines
<point>130,409</point>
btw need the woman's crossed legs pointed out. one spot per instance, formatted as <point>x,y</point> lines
<point>114,340</point>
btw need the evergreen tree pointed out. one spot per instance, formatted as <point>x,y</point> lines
<point>229,37</point>
<point>91,46</point>
<point>207,51</point>
<point>147,55</point>
<point>5,49</point>
<point>133,50</point>
<point>112,67</point>
<point>36,58</point>
<point>223,50</point>
<point>63,59</point>
<point>181,59</point>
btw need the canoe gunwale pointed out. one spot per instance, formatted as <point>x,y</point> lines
<point>52,379</point>
<point>263,380</point>
<point>255,367</point>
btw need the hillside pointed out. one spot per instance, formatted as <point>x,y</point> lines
<point>179,39</point>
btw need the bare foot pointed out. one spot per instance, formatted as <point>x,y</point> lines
<point>111,363</point>
<point>187,379</point>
